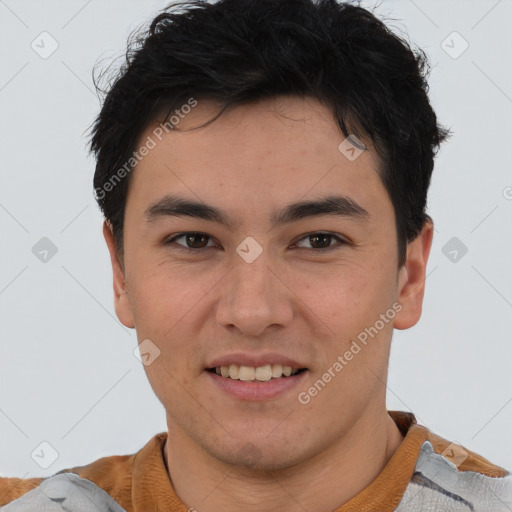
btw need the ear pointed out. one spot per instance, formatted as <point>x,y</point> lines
<point>121,301</point>
<point>411,278</point>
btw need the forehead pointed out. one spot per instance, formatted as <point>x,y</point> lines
<point>274,151</point>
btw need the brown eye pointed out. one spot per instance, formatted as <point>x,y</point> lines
<point>195,241</point>
<point>192,240</point>
<point>322,241</point>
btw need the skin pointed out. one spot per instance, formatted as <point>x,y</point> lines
<point>293,300</point>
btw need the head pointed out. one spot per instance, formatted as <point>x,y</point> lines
<point>246,108</point>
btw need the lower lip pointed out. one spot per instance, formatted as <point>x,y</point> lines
<point>256,390</point>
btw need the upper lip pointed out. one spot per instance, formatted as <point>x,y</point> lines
<point>254,360</point>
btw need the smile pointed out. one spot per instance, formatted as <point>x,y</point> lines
<point>260,373</point>
<point>256,384</point>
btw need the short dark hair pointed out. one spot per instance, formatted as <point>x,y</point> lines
<point>237,52</point>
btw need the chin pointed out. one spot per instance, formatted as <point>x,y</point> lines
<point>257,456</point>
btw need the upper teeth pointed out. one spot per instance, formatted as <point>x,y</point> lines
<point>261,373</point>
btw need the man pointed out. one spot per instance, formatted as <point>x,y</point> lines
<point>263,169</point>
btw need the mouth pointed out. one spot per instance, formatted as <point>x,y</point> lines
<point>264,373</point>
<point>257,383</point>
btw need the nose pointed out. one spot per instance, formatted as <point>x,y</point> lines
<point>254,297</point>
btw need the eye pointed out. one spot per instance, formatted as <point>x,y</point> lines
<point>322,239</point>
<point>196,241</point>
<point>193,240</point>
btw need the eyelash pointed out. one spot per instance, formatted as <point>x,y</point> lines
<point>341,241</point>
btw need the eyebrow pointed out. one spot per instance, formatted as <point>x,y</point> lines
<point>175,206</point>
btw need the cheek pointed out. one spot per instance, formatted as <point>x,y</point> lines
<point>168,308</point>
<point>351,297</point>
<point>351,303</point>
<point>356,349</point>
<point>150,300</point>
<point>160,296</point>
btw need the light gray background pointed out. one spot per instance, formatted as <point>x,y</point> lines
<point>68,376</point>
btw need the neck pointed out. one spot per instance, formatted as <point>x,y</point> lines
<point>324,482</point>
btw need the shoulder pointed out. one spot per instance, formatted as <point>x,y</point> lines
<point>106,482</point>
<point>110,473</point>
<point>464,458</point>
<point>449,476</point>
<point>13,488</point>
<point>94,487</point>
<point>99,482</point>
<point>64,491</point>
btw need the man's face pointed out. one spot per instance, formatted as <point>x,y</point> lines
<point>212,300</point>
